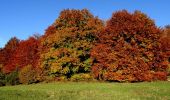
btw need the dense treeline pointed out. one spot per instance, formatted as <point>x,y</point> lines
<point>80,47</point>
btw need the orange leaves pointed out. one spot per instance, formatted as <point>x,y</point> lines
<point>160,76</point>
<point>128,49</point>
<point>67,52</point>
<point>50,30</point>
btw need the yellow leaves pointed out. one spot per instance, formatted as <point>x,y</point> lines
<point>82,44</point>
<point>55,67</point>
<point>64,60</point>
<point>60,66</point>
<point>69,47</point>
<point>73,18</point>
<point>65,70</point>
<point>27,75</point>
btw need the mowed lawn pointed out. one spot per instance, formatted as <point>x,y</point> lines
<point>87,91</point>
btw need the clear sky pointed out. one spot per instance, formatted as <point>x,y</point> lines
<point>22,18</point>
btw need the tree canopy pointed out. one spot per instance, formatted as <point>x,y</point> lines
<point>128,47</point>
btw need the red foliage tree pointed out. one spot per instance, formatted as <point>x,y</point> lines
<point>8,50</point>
<point>129,49</point>
<point>25,54</point>
<point>165,41</point>
<point>2,57</point>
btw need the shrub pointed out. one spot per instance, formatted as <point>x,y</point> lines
<point>2,79</point>
<point>12,78</point>
<point>2,76</point>
<point>27,75</point>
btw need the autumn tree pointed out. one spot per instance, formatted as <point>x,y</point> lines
<point>25,54</point>
<point>2,56</point>
<point>66,44</point>
<point>7,52</point>
<point>165,41</point>
<point>129,49</point>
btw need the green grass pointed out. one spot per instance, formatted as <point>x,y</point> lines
<point>87,91</point>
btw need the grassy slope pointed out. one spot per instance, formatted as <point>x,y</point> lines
<point>87,91</point>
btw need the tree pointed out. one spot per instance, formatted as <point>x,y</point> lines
<point>66,44</point>
<point>129,49</point>
<point>7,52</point>
<point>165,41</point>
<point>5,55</point>
<point>25,54</point>
<point>2,56</point>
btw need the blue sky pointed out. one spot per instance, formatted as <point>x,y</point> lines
<point>22,18</point>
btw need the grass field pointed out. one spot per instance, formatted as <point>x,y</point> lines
<point>87,91</point>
